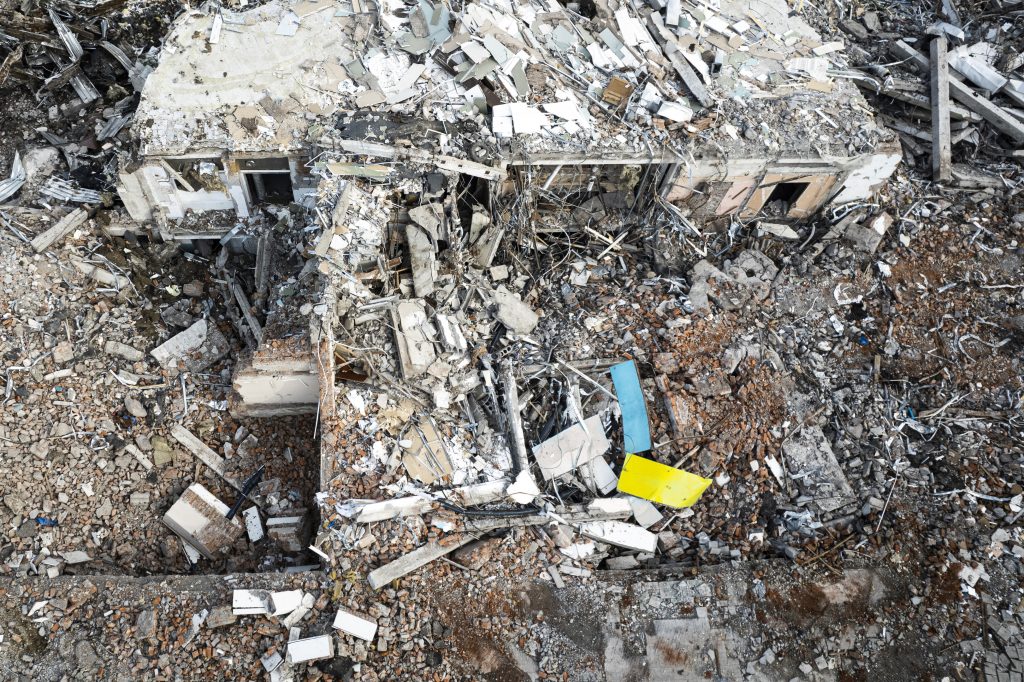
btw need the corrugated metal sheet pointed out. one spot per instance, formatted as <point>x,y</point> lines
<point>64,190</point>
<point>12,184</point>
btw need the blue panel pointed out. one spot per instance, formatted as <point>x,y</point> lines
<point>635,427</point>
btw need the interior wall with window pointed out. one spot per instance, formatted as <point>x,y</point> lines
<point>770,196</point>
<point>201,184</point>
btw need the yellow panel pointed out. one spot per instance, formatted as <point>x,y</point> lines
<point>657,482</point>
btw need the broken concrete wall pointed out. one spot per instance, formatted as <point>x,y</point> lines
<point>270,394</point>
<point>589,175</point>
<point>253,111</point>
<point>713,188</point>
<point>158,186</point>
<point>153,187</point>
<point>815,191</point>
<point>869,174</point>
<point>286,372</point>
<point>201,201</point>
<point>133,195</point>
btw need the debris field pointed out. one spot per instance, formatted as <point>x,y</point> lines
<point>511,340</point>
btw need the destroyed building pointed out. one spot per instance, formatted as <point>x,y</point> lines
<point>252,106</point>
<point>598,340</point>
<point>506,103</point>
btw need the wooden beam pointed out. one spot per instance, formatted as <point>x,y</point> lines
<point>203,453</point>
<point>61,229</point>
<point>674,53</point>
<point>176,175</point>
<point>104,8</point>
<point>9,61</point>
<point>1000,119</point>
<point>573,513</point>
<point>906,128</point>
<point>517,440</point>
<point>62,77</point>
<point>421,556</point>
<point>250,319</point>
<point>942,154</point>
<point>915,99</point>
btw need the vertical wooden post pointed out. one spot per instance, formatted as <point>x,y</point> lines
<point>941,146</point>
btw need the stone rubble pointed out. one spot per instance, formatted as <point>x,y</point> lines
<point>851,385</point>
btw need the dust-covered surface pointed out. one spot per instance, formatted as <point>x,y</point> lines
<point>854,394</point>
<point>80,419</point>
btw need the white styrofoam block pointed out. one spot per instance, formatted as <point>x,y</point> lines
<point>250,602</point>
<point>253,525</point>
<point>357,626</point>
<point>283,603</point>
<point>644,512</point>
<point>311,649</point>
<point>620,534</point>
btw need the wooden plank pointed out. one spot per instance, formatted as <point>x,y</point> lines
<point>204,454</point>
<point>417,558</point>
<point>517,439</point>
<point>250,319</point>
<point>264,251</point>
<point>62,77</point>
<point>942,154</point>
<point>916,99</point>
<point>466,167</point>
<point>177,176</point>
<point>574,513</point>
<point>467,496</point>
<point>906,128</point>
<point>43,39</point>
<point>104,8</point>
<point>63,228</point>
<point>1000,119</point>
<point>674,53</point>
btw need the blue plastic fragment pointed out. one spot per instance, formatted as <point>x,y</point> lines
<point>45,522</point>
<point>636,430</point>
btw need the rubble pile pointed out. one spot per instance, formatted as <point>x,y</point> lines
<point>902,62</point>
<point>88,411</point>
<point>540,78</point>
<point>511,341</point>
<point>86,63</point>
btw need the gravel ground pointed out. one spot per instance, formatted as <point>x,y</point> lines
<point>906,361</point>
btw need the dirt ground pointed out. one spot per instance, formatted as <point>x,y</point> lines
<point>907,359</point>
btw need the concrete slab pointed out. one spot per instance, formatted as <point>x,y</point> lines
<point>809,452</point>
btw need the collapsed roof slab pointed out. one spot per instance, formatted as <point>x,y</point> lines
<point>249,91</point>
<point>773,88</point>
<point>771,98</point>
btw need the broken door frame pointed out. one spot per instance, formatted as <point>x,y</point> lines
<point>251,165</point>
<point>811,199</point>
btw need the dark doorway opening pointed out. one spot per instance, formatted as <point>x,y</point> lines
<point>786,192</point>
<point>272,188</point>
